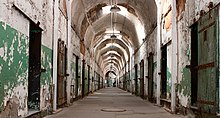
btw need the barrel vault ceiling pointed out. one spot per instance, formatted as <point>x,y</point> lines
<point>95,23</point>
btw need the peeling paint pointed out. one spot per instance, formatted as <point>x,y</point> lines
<point>14,61</point>
<point>2,51</point>
<point>73,75</point>
<point>185,85</point>
<point>169,80</point>
<point>46,78</point>
<point>155,66</point>
<point>46,63</point>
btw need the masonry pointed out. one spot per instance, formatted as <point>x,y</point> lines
<point>55,52</point>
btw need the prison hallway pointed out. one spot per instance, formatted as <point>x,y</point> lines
<point>113,102</point>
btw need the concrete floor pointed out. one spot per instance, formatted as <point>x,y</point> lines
<point>113,99</point>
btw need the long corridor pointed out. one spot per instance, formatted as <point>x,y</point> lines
<point>113,103</point>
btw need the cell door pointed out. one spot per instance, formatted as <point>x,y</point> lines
<point>207,61</point>
<point>136,80</point>
<point>164,72</point>
<point>150,77</point>
<point>194,63</point>
<point>83,78</point>
<point>142,79</point>
<point>124,82</point>
<point>61,83</point>
<point>34,67</point>
<point>99,82</point>
<point>77,76</point>
<point>89,79</point>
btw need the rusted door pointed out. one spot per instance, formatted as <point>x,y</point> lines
<point>142,79</point>
<point>150,77</point>
<point>207,61</point>
<point>61,83</point>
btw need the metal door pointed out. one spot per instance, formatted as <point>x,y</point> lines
<point>89,79</point>
<point>83,78</point>
<point>124,82</point>
<point>150,78</point>
<point>136,80</point>
<point>164,72</point>
<point>207,61</point>
<point>99,82</point>
<point>142,79</point>
<point>61,83</point>
<point>194,63</point>
<point>77,77</point>
<point>34,67</point>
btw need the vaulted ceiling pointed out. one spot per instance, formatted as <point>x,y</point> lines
<point>95,23</point>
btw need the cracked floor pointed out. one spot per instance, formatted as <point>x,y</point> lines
<point>113,103</point>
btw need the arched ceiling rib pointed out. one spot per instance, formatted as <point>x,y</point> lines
<point>104,23</point>
<point>91,20</point>
<point>145,10</point>
<point>110,72</point>
<point>119,58</point>
<point>111,68</point>
<point>114,60</point>
<point>112,64</point>
<point>113,42</point>
<point>105,50</point>
<point>102,36</point>
<point>111,46</point>
<point>115,54</point>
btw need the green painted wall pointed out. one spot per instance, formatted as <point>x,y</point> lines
<point>46,63</point>
<point>154,66</point>
<point>169,81</point>
<point>73,69</point>
<point>80,75</point>
<point>185,85</point>
<point>13,60</point>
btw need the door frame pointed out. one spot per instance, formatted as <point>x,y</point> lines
<point>83,78</point>
<point>34,71</point>
<point>136,80</point>
<point>164,72</point>
<point>142,88</point>
<point>150,77</point>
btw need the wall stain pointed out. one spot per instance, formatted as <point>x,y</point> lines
<point>14,61</point>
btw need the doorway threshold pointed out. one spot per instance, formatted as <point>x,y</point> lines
<point>32,112</point>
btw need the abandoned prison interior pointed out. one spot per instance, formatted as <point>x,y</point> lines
<point>55,54</point>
